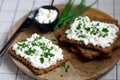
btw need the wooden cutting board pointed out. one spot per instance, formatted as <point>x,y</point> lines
<point>79,69</point>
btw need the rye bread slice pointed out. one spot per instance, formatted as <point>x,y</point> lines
<point>90,46</point>
<point>91,54</point>
<point>35,70</point>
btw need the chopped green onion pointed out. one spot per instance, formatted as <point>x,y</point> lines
<point>87,29</point>
<point>42,60</point>
<point>98,66</point>
<point>82,36</point>
<point>61,75</point>
<point>97,24</point>
<point>30,51</point>
<point>67,68</point>
<point>106,34</point>
<point>79,26</point>
<point>105,30</point>
<point>51,55</point>
<point>64,65</point>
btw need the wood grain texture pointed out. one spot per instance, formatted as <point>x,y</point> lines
<point>80,69</point>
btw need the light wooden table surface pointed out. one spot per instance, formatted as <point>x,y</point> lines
<point>12,10</point>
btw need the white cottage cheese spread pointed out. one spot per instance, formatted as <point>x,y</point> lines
<point>38,51</point>
<point>46,16</point>
<point>92,32</point>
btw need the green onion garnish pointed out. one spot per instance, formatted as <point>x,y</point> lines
<point>105,30</point>
<point>42,60</point>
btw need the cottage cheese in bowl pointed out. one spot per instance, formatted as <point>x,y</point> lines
<point>45,16</point>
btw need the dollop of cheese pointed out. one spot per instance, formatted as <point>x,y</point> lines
<point>46,16</point>
<point>40,52</point>
<point>92,32</point>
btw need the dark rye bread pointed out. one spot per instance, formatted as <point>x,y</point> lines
<point>91,54</point>
<point>35,70</point>
<point>90,46</point>
<point>85,53</point>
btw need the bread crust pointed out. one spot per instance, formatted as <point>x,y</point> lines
<point>35,70</point>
